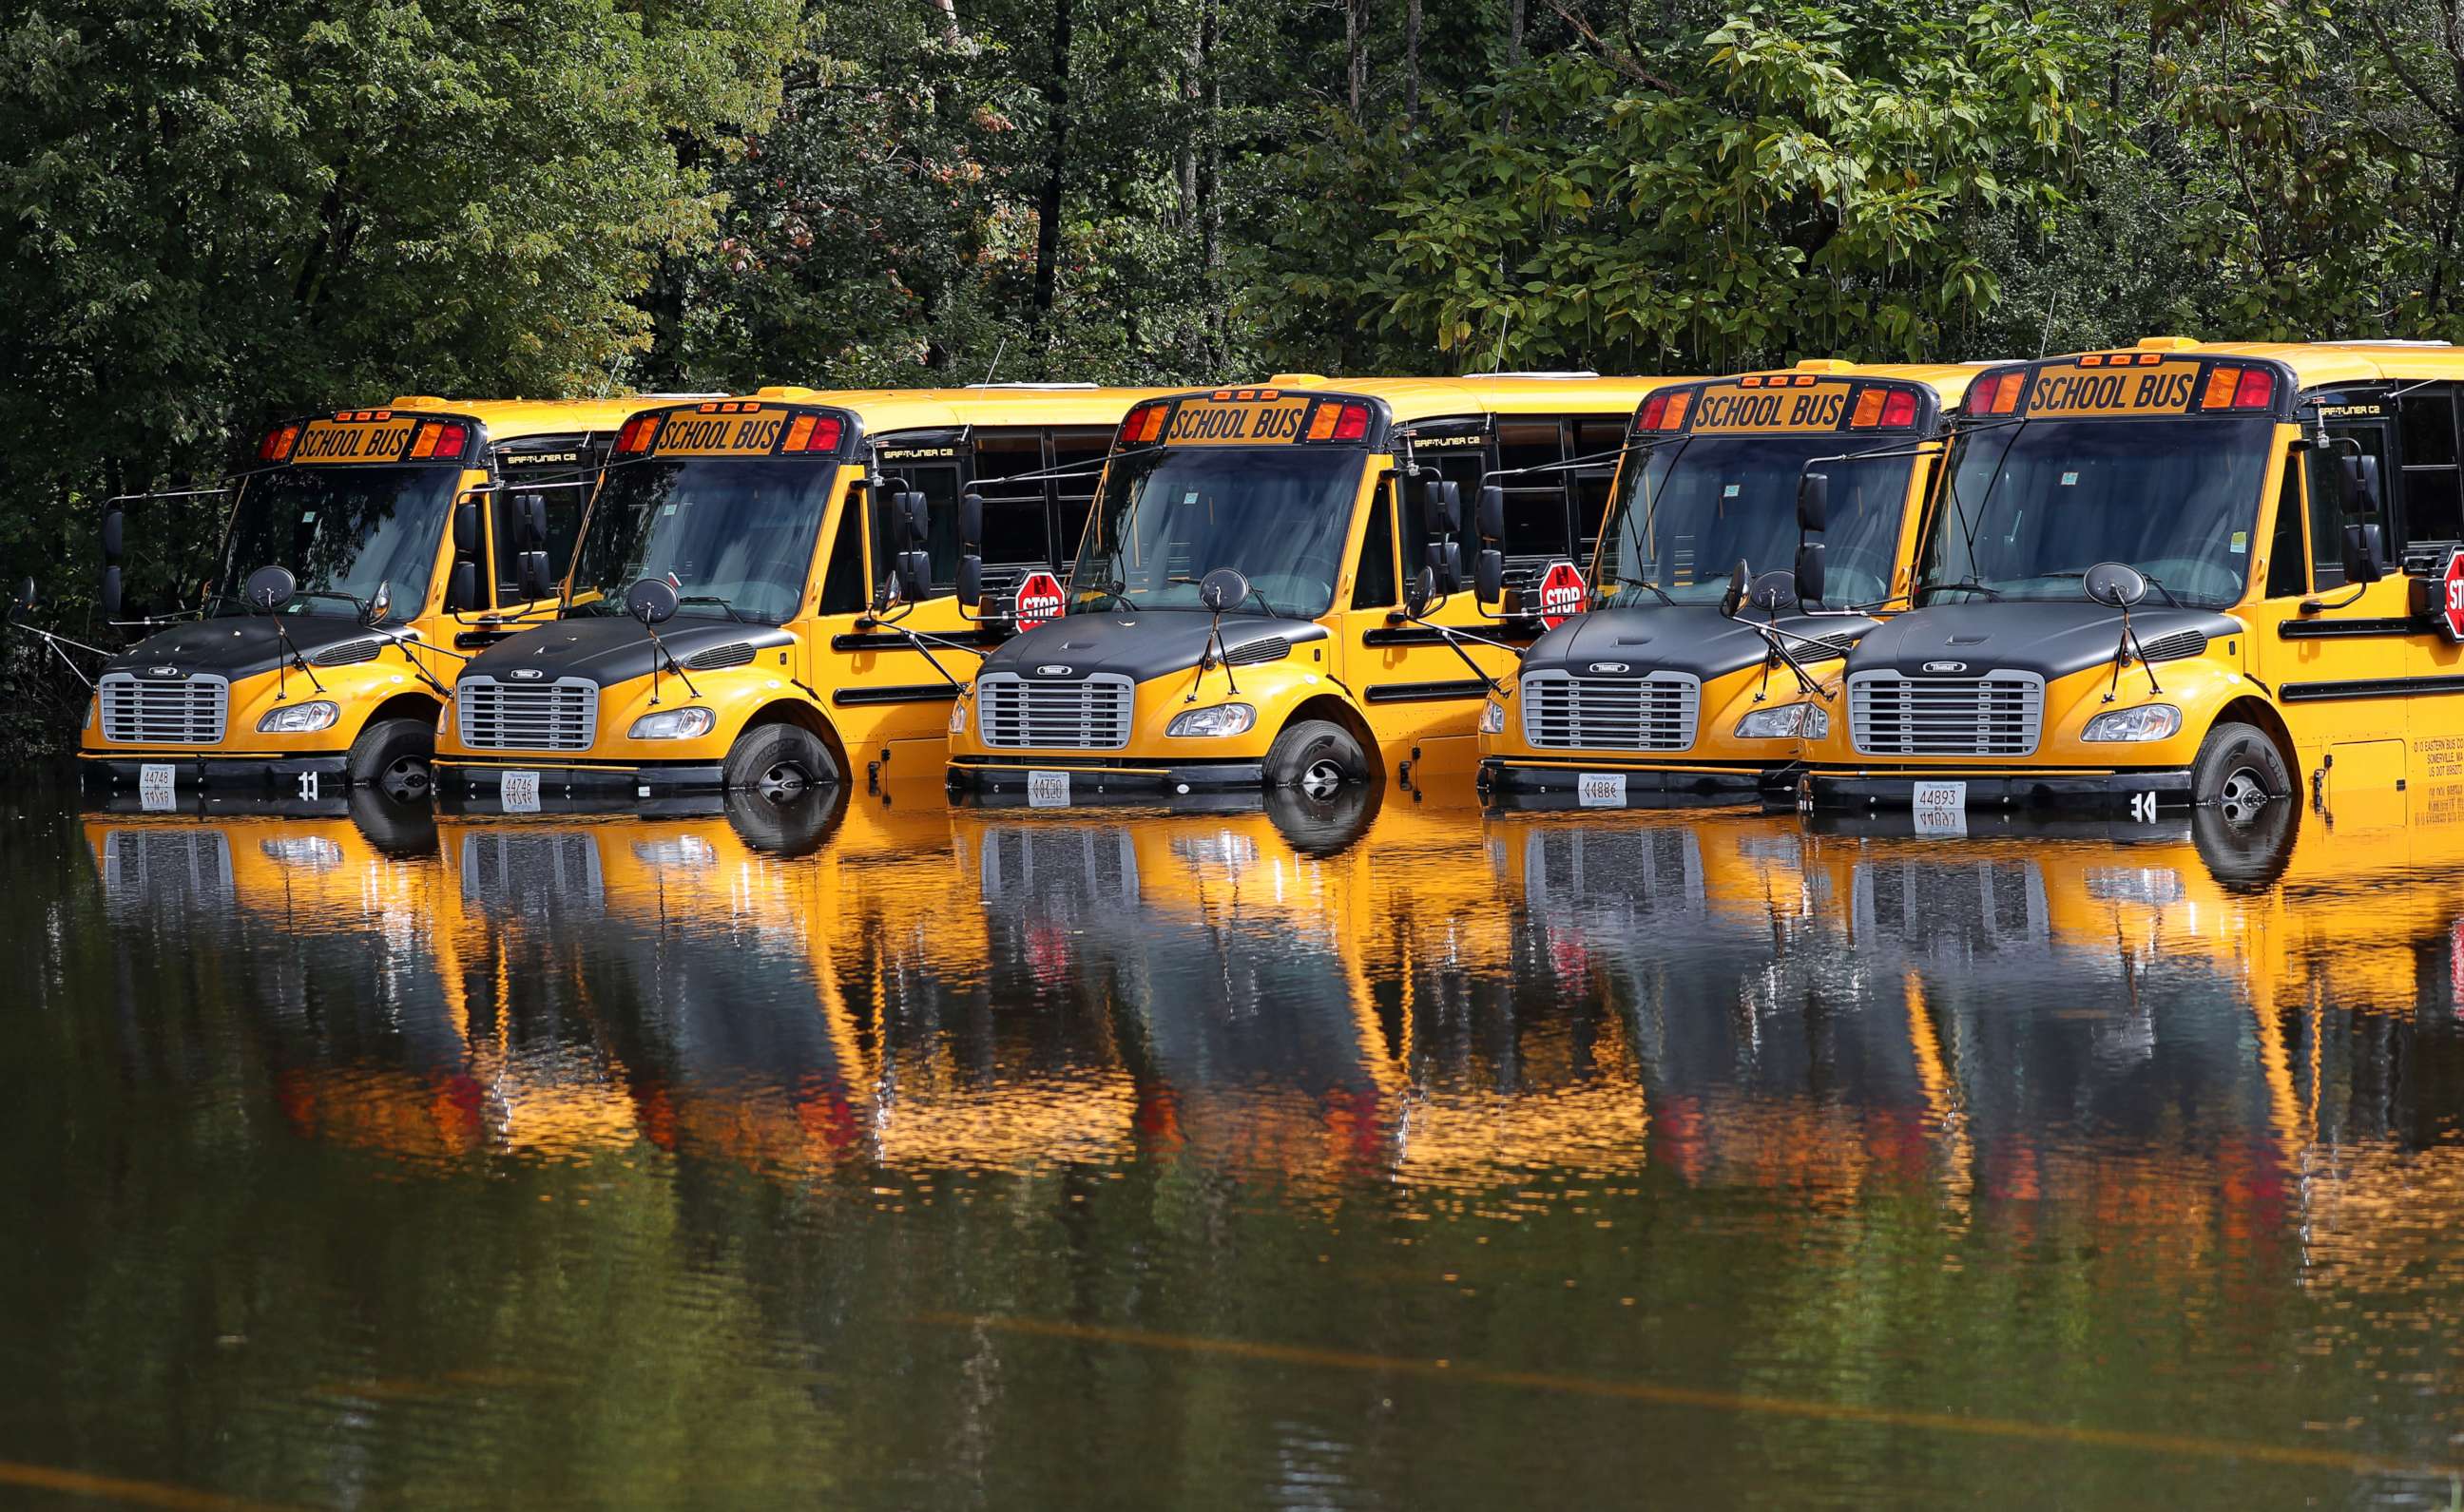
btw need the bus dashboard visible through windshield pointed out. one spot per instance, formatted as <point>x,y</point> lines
<point>1166,518</point>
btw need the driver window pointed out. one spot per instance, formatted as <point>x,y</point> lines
<point>1374,579</point>
<point>2287,575</point>
<point>842,586</point>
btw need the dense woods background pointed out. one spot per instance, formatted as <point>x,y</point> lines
<point>222,210</point>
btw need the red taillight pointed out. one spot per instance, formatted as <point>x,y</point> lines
<point>1352,422</point>
<point>637,435</point>
<point>1334,419</point>
<point>812,433</point>
<point>277,443</point>
<point>1144,425</point>
<point>1653,408</point>
<point>2257,389</point>
<point>1899,408</point>
<point>451,438</point>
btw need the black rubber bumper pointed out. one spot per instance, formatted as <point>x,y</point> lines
<point>1511,784</point>
<point>587,781</point>
<point>2093,793</point>
<point>1122,782</point>
<point>275,775</point>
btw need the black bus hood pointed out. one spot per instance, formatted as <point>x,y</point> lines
<point>1144,643</point>
<point>2051,638</point>
<point>1693,638</point>
<point>239,646</point>
<point>612,649</point>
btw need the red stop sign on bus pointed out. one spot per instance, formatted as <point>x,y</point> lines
<point>1039,600</point>
<point>2452,607</point>
<point>1561,594</point>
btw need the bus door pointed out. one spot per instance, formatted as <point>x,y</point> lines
<point>2339,670</point>
<point>558,472</point>
<point>1414,683</point>
<point>932,462</point>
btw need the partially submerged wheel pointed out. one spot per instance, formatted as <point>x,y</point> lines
<point>790,826</point>
<point>1322,826</point>
<point>394,756</point>
<point>779,761</point>
<point>1316,757</point>
<point>2238,773</point>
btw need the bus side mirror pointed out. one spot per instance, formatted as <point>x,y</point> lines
<point>971,520</point>
<point>462,588</point>
<point>538,578</point>
<point>916,573</point>
<point>971,579</point>
<point>466,528</point>
<point>1740,582</point>
<point>115,526</point>
<point>111,597</point>
<point>911,520</point>
<point>1813,500</point>
<point>2361,478</point>
<point>1490,569</point>
<point>1492,512</point>
<point>1809,573</point>
<point>2361,562</point>
<point>1420,592</point>
<point>530,521</point>
<point>1442,502</point>
<point>1445,560</point>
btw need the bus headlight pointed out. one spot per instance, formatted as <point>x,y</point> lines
<point>1223,719</point>
<point>2146,722</point>
<point>299,719</point>
<point>673,724</point>
<point>444,721</point>
<point>1787,722</point>
<point>1492,718</point>
<point>959,716</point>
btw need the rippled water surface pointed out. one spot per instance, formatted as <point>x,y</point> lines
<point>876,1152</point>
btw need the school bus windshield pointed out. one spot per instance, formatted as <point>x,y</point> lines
<point>1167,518</point>
<point>733,534</point>
<point>1686,512</point>
<point>342,531</point>
<point>2031,507</point>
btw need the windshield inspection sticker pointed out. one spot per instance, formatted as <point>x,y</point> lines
<point>1731,492</point>
<point>2070,480</point>
<point>2240,543</point>
<point>1940,808</point>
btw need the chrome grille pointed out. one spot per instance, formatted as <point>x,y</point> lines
<point>2176,646</point>
<point>186,712</point>
<point>562,715</point>
<point>1998,714</point>
<point>1656,713</point>
<point>1078,713</point>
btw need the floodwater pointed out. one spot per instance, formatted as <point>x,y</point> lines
<point>874,1152</point>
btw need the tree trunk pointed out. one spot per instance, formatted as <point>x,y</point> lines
<point>1356,44</point>
<point>1056,162</point>
<point>1412,62</point>
<point>1513,33</point>
<point>1210,162</point>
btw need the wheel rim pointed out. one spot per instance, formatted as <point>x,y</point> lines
<point>782,779</point>
<point>405,779</point>
<point>1322,779</point>
<point>2243,795</point>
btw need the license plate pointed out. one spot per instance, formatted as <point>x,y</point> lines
<point>156,784</point>
<point>1940,808</point>
<point>521,793</point>
<point>1600,790</point>
<point>1048,790</point>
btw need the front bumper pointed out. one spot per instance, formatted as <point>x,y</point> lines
<point>1522,782</point>
<point>486,779</point>
<point>259,773</point>
<point>2120,793</point>
<point>1107,778</point>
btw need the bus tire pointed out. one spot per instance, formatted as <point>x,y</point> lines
<point>779,761</point>
<point>395,758</point>
<point>2238,772</point>
<point>1316,757</point>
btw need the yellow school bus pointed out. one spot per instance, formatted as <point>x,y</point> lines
<point>1659,694</point>
<point>1246,610</point>
<point>2175,574</point>
<point>763,594</point>
<point>365,553</point>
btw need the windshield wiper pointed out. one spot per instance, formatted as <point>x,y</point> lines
<point>2153,582</point>
<point>1968,584</point>
<point>1111,592</point>
<point>1645,582</point>
<point>360,604</point>
<point>712,597</point>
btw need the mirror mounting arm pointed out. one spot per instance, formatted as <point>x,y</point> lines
<point>1454,640</point>
<point>2122,655</point>
<point>1214,653</point>
<point>56,642</point>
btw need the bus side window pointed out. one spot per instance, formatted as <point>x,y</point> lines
<point>2433,491</point>
<point>1017,533</point>
<point>1074,497</point>
<point>1373,579</point>
<point>2328,517</point>
<point>1602,438</point>
<point>2288,574</point>
<point>938,483</point>
<point>843,590</point>
<point>1535,503</point>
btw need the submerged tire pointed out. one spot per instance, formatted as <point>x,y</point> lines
<point>794,824</point>
<point>1322,826</point>
<point>2238,772</point>
<point>779,761</point>
<point>1317,758</point>
<point>395,756</point>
